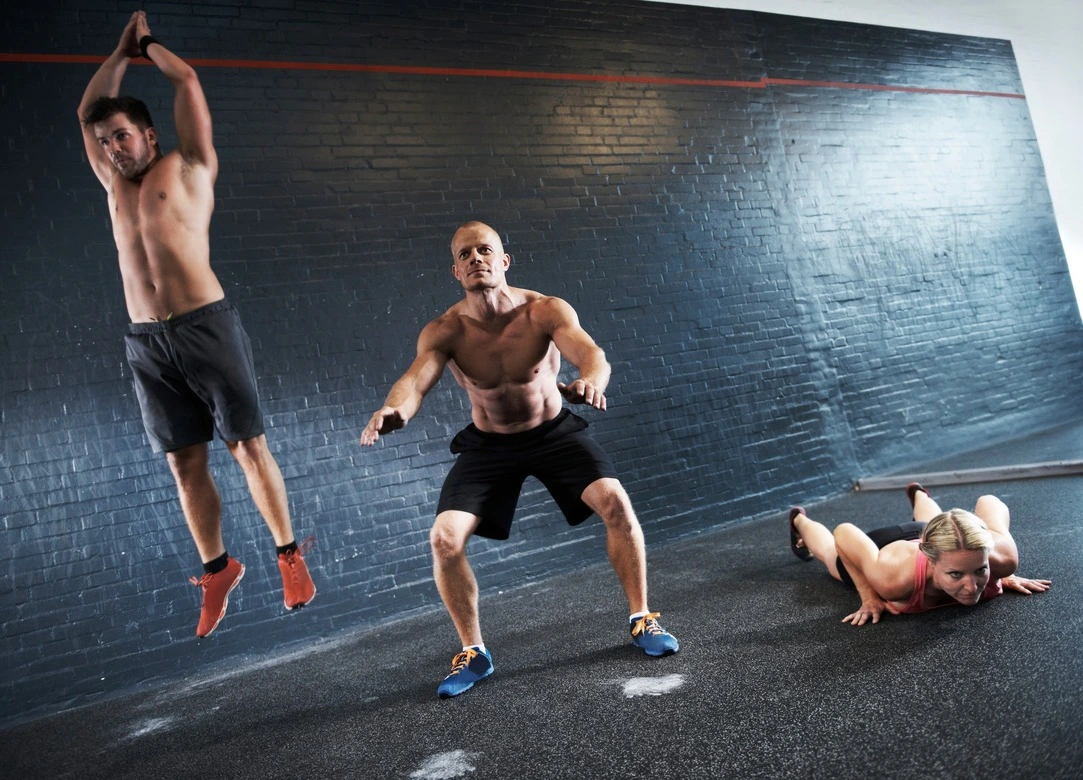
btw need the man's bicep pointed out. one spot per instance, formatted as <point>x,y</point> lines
<point>192,119</point>
<point>571,339</point>
<point>426,370</point>
<point>432,356</point>
<point>96,156</point>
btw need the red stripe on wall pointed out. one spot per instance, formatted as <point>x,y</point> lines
<point>762,83</point>
<point>890,88</point>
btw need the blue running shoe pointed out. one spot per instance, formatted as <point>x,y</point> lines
<point>467,668</point>
<point>651,637</point>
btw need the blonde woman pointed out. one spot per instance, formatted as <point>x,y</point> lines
<point>942,558</point>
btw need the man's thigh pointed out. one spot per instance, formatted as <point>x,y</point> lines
<point>567,467</point>
<point>218,363</point>
<point>485,484</point>
<point>174,416</point>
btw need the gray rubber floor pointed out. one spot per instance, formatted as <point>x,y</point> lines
<point>769,683</point>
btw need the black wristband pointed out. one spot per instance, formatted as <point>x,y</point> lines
<point>146,41</point>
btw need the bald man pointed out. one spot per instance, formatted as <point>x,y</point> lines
<point>504,345</point>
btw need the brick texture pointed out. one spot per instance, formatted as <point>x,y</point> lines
<point>796,286</point>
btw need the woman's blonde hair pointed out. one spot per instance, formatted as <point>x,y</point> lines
<point>954,530</point>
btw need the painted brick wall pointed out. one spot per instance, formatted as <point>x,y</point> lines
<point>797,285</point>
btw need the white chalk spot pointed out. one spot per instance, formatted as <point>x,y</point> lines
<point>445,766</point>
<point>150,726</point>
<point>652,686</point>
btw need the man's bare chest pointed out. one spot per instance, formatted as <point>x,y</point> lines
<point>516,352</point>
<point>137,207</point>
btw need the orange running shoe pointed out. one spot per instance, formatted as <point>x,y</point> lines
<point>296,581</point>
<point>216,588</point>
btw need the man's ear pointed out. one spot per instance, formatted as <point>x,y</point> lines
<point>152,136</point>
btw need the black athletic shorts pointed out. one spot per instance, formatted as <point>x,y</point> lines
<point>882,537</point>
<point>489,472</point>
<point>194,374</point>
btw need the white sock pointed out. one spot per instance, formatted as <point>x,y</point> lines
<point>480,648</point>
<point>637,615</point>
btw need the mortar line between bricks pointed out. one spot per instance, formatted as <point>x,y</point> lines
<point>761,83</point>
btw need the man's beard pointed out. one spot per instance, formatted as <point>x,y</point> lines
<point>135,167</point>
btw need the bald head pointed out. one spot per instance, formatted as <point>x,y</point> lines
<point>478,256</point>
<point>475,226</point>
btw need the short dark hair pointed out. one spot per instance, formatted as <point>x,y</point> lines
<point>104,107</point>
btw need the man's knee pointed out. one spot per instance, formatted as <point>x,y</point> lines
<point>189,462</point>
<point>450,533</point>
<point>250,452</point>
<point>608,498</point>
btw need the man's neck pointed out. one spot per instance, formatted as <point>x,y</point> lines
<point>491,303</point>
<point>150,166</point>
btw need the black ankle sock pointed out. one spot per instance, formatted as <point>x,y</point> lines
<point>215,566</point>
<point>287,547</point>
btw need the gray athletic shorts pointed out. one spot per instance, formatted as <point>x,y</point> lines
<point>194,374</point>
<point>489,472</point>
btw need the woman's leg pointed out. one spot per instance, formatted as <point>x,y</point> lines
<point>819,541</point>
<point>994,513</point>
<point>925,509</point>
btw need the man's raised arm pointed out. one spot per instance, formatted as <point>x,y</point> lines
<point>191,115</point>
<point>106,83</point>
<point>407,394</point>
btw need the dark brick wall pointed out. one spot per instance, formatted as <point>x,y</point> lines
<point>796,285</point>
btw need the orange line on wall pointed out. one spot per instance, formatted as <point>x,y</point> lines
<point>413,70</point>
<point>890,88</point>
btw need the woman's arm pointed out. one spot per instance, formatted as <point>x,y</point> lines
<point>875,576</point>
<point>1004,557</point>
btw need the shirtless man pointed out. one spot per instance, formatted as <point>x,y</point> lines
<point>503,346</point>
<point>190,357</point>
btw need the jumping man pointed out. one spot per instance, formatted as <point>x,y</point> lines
<point>190,357</point>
